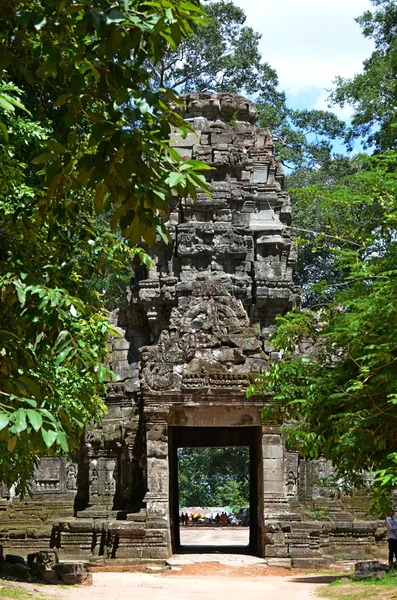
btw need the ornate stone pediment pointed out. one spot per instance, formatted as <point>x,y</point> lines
<point>209,343</point>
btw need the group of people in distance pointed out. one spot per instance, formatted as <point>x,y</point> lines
<point>222,518</point>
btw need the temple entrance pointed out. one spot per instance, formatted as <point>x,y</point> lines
<point>201,535</point>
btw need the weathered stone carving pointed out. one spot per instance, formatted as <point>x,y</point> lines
<point>71,477</point>
<point>220,106</point>
<point>208,339</point>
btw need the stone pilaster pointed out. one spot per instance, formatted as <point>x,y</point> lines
<point>157,495</point>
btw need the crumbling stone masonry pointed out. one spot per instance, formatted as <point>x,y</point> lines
<point>194,333</point>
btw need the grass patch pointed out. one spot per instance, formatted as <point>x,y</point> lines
<point>10,591</point>
<point>370,589</point>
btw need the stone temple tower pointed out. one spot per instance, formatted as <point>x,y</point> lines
<point>198,321</point>
<point>193,335</point>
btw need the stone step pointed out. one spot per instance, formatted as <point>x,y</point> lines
<point>312,563</point>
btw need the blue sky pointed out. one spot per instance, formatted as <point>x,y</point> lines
<point>309,43</point>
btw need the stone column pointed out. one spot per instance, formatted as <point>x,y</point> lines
<point>157,496</point>
<point>273,467</point>
<point>275,504</point>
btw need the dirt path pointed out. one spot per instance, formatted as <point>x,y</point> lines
<point>214,576</point>
<point>214,536</point>
<point>123,586</point>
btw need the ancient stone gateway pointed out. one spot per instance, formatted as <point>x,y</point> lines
<point>194,333</point>
<point>208,302</point>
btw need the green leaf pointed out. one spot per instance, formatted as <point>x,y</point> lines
<point>43,158</point>
<point>63,355</point>
<point>60,101</point>
<point>95,116</point>
<point>56,147</point>
<point>49,436</point>
<point>12,443</point>
<point>61,439</point>
<point>21,292</point>
<point>35,419</point>
<point>5,104</point>
<point>115,16</point>
<point>40,24</point>
<point>20,423</point>
<point>174,179</point>
<point>101,195</point>
<point>4,420</point>
<point>4,131</point>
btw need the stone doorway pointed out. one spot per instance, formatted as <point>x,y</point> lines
<point>215,437</point>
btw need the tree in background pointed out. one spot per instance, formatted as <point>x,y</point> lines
<point>372,93</point>
<point>91,141</point>
<point>224,57</point>
<point>311,224</point>
<point>213,477</point>
<point>340,399</point>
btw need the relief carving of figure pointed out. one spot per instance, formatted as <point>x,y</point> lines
<point>94,483</point>
<point>291,484</point>
<point>111,477</point>
<point>71,477</point>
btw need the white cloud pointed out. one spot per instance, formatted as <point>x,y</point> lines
<point>309,42</point>
<point>344,113</point>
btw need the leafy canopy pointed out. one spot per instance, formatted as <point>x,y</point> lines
<point>84,65</point>
<point>372,93</point>
<point>224,56</point>
<point>340,398</point>
<point>213,477</point>
<point>82,134</point>
<point>311,223</point>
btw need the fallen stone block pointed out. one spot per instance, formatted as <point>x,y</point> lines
<point>21,572</point>
<point>279,562</point>
<point>76,578</point>
<point>369,565</point>
<point>63,568</point>
<point>311,563</point>
<point>380,574</point>
<point>13,559</point>
<point>49,576</point>
<point>43,557</point>
<point>362,575</point>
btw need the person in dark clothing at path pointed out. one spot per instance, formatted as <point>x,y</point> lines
<point>391,526</point>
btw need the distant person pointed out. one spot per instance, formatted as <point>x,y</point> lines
<point>217,518</point>
<point>224,519</point>
<point>391,527</point>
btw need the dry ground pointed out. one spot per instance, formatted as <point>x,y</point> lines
<point>214,582</point>
<point>145,586</point>
<point>215,576</point>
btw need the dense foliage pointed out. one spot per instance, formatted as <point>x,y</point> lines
<point>316,257</point>
<point>91,140</point>
<point>372,93</point>
<point>213,477</point>
<point>224,57</point>
<point>340,397</point>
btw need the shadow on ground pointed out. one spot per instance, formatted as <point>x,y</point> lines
<point>316,579</point>
<point>214,550</point>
